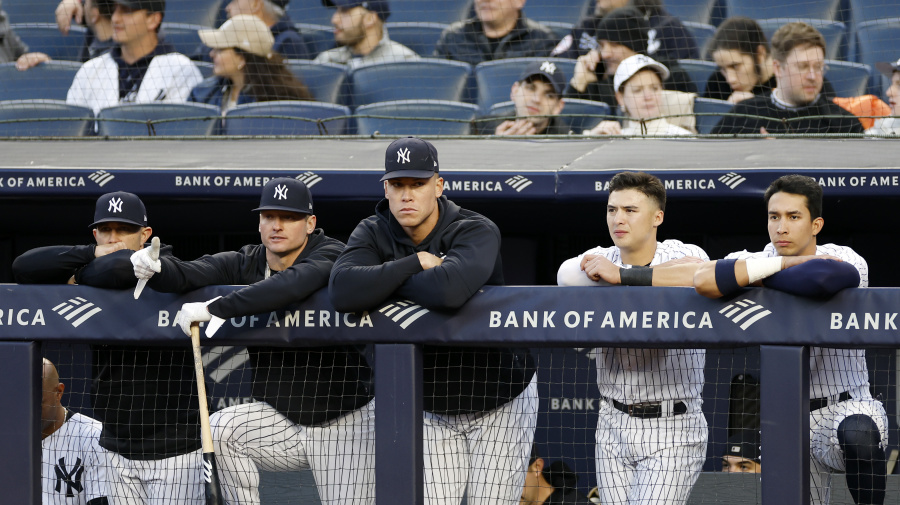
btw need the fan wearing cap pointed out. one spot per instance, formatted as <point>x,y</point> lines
<point>742,454</point>
<point>246,70</point>
<point>361,36</point>
<point>307,399</point>
<point>537,97</point>
<point>889,125</point>
<point>288,41</point>
<point>638,84</point>
<point>480,402</point>
<point>140,68</point>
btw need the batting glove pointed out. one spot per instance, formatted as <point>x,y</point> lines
<point>144,264</point>
<point>197,312</point>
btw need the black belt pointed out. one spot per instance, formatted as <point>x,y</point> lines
<point>648,410</point>
<point>821,403</point>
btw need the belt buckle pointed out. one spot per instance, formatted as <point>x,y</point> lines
<point>641,409</point>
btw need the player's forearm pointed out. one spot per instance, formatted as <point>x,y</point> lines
<point>287,288</point>
<point>448,286</point>
<point>111,271</point>
<point>51,265</point>
<point>675,275</point>
<point>705,278</point>
<point>354,287</point>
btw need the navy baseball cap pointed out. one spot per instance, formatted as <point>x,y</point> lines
<point>549,71</point>
<point>147,5</point>
<point>120,207</point>
<point>284,193</point>
<point>380,7</point>
<point>410,157</point>
<point>743,445</point>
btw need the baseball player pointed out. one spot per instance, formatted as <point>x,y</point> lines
<point>651,433</point>
<point>848,428</point>
<point>480,403</point>
<point>315,405</point>
<point>73,466</point>
<point>145,397</point>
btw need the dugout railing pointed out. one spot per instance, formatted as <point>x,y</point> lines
<point>781,324</point>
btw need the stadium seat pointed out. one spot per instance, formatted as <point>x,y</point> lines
<point>183,37</point>
<point>324,80</point>
<point>848,79</point>
<point>872,10</point>
<point>768,9</point>
<point>30,11</point>
<point>157,113</point>
<point>428,11</point>
<point>420,37</point>
<point>49,80</point>
<point>206,68</point>
<point>193,12</point>
<point>64,120</point>
<point>427,78</point>
<point>878,41</point>
<point>321,36</point>
<point>702,34</point>
<point>46,38</point>
<point>559,28</point>
<point>498,113</point>
<point>312,118</point>
<point>564,11</point>
<point>700,71</point>
<point>835,46</point>
<point>584,114</point>
<point>705,124</point>
<point>311,12</point>
<point>460,115</point>
<point>495,78</point>
<point>695,11</point>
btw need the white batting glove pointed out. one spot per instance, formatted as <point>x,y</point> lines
<point>145,264</point>
<point>197,312</point>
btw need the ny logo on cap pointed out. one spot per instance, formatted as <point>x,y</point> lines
<point>281,192</point>
<point>115,205</point>
<point>549,67</point>
<point>403,155</point>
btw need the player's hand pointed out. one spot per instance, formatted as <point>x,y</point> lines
<point>684,260</point>
<point>740,96</point>
<point>598,268</point>
<point>66,11</point>
<point>29,60</point>
<point>103,250</point>
<point>517,127</point>
<point>145,264</point>
<point>195,312</point>
<point>792,261</point>
<point>606,128</point>
<point>428,260</point>
<point>585,70</point>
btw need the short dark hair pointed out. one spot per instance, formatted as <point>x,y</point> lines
<point>647,184</point>
<point>802,185</point>
<point>740,34</point>
<point>792,35</point>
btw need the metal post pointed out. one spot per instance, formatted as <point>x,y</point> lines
<point>399,459</point>
<point>20,428</point>
<point>784,387</point>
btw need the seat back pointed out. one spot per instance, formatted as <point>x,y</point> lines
<point>426,117</point>
<point>46,38</point>
<point>767,9</point>
<point>695,11</point>
<point>44,118</point>
<point>143,119</point>
<point>424,79</point>
<point>326,81</point>
<point>429,11</point>
<point>193,12</point>
<point>420,37</point>
<point>291,118</point>
<point>30,11</point>
<point>495,78</point>
<point>700,72</point>
<point>321,36</point>
<point>705,124</point>
<point>563,11</point>
<point>702,34</point>
<point>585,114</point>
<point>847,78</point>
<point>50,80</point>
<point>876,41</point>
<point>183,37</point>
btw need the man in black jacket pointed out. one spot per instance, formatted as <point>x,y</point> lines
<point>145,397</point>
<point>480,403</point>
<point>314,407</point>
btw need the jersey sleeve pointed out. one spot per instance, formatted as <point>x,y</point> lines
<point>51,265</point>
<point>571,274</point>
<point>96,480</point>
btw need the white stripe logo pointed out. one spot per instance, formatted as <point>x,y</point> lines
<point>518,183</point>
<point>732,180</point>
<point>309,178</point>
<point>403,312</point>
<point>207,471</point>
<point>101,177</point>
<point>76,307</point>
<point>227,359</point>
<point>741,309</point>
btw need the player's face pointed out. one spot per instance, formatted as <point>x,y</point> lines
<point>735,464</point>
<point>349,25</point>
<point>791,227</point>
<point>641,95</point>
<point>738,68</point>
<point>132,235</point>
<point>51,394</point>
<point>413,203</point>
<point>536,97</point>
<point>613,54</point>
<point>494,11</point>
<point>283,232</point>
<point>632,218</point>
<point>132,26</point>
<point>227,62</point>
<point>893,94</point>
<point>801,75</point>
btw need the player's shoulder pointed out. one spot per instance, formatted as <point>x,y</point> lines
<point>673,249</point>
<point>611,253</point>
<point>767,252</point>
<point>85,424</point>
<point>846,253</point>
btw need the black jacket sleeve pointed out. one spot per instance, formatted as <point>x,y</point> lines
<point>112,271</point>
<point>51,265</point>
<point>177,276</point>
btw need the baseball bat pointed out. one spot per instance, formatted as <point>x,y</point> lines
<point>154,255</point>
<point>210,476</point>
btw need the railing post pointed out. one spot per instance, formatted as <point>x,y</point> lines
<point>20,428</point>
<point>784,388</point>
<point>399,460</point>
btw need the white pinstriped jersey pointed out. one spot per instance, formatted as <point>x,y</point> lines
<point>73,468</point>
<point>643,375</point>
<point>831,371</point>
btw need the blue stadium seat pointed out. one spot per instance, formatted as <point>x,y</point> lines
<point>584,114</point>
<point>64,120</point>
<point>559,28</point>
<point>46,38</point>
<point>311,12</point>
<point>205,67</point>
<point>700,71</point>
<point>495,78</point>
<point>876,41</point>
<point>158,113</point>
<point>427,78</point>
<point>564,11</point>
<point>30,11</point>
<point>848,79</point>
<point>695,11</point>
<point>705,124</point>
<point>312,118</point>
<point>324,80</point>
<point>702,34</point>
<point>321,36</point>
<point>835,47</point>
<point>460,116</point>
<point>183,37</point>
<point>767,9</point>
<point>193,12</point>
<point>420,37</point>
<point>872,10</point>
<point>429,11</point>
<point>50,80</point>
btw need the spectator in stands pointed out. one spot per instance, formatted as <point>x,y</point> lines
<point>638,84</point>
<point>361,36</point>
<point>741,51</point>
<point>96,16</point>
<point>742,453</point>
<point>289,43</point>
<point>797,102</point>
<point>11,46</point>
<point>667,38</point>
<point>621,34</point>
<point>551,485</point>
<point>537,96</point>
<point>498,30</point>
<point>139,69</point>
<point>889,125</point>
<point>246,69</point>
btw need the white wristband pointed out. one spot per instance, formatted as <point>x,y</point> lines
<point>760,268</point>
